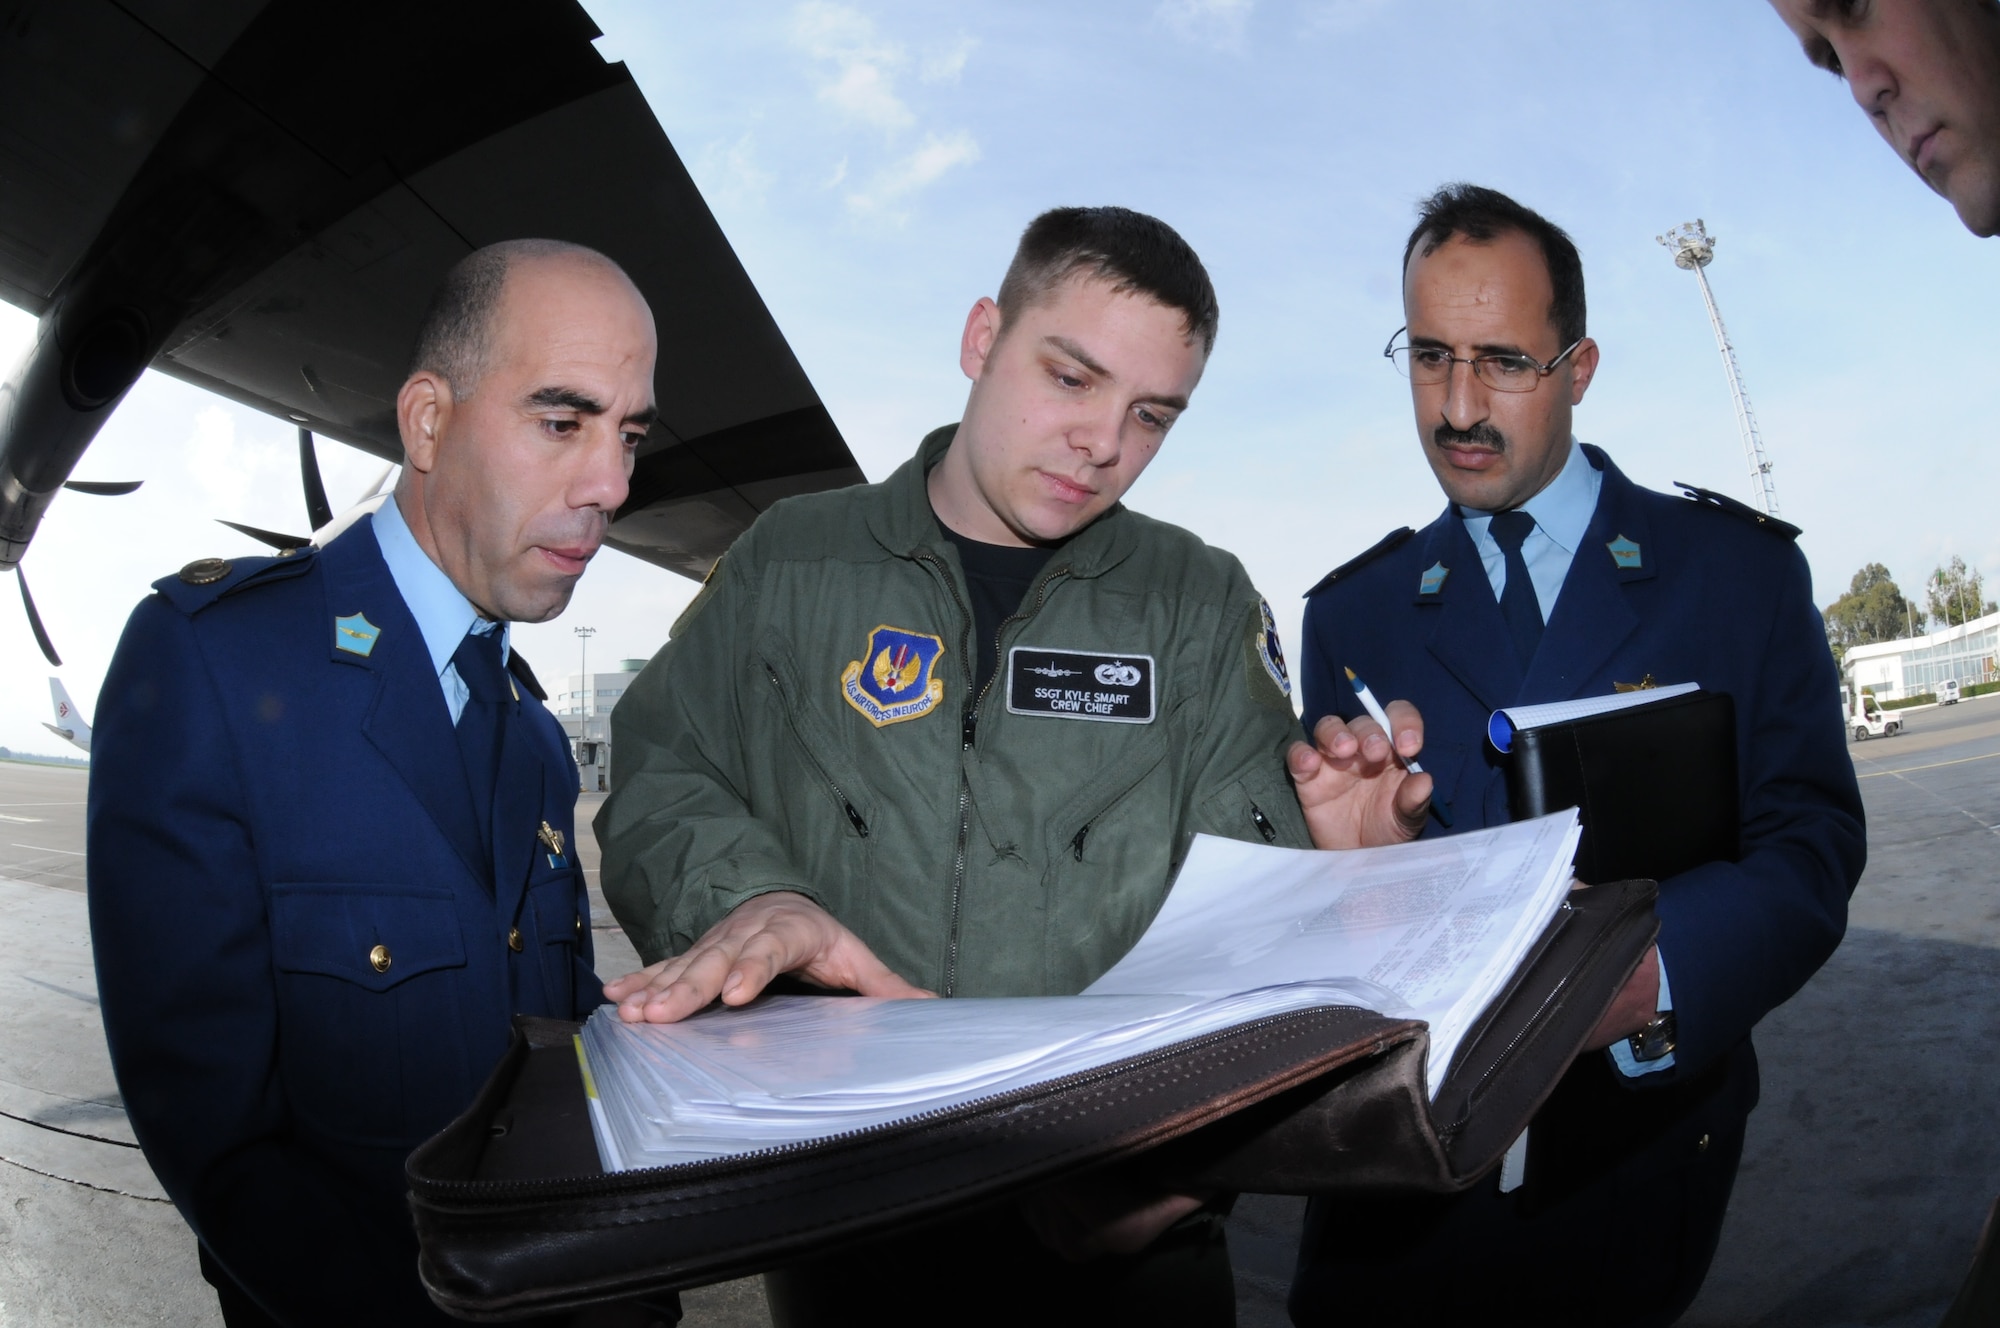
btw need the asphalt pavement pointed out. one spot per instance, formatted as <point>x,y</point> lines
<point>1869,1167</point>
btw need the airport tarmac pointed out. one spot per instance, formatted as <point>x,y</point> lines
<point>1869,1167</point>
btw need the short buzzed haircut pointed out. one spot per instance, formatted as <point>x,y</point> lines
<point>1137,254</point>
<point>455,336</point>
<point>1480,214</point>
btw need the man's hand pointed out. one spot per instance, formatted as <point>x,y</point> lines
<point>774,933</point>
<point>1637,1002</point>
<point>1352,789</point>
<point>1092,1216</point>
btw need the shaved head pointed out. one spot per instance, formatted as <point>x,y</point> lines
<point>456,338</point>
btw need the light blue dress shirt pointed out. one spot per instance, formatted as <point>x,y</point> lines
<point>1562,513</point>
<point>444,615</point>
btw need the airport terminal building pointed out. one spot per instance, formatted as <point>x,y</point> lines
<point>582,704</point>
<point>1897,670</point>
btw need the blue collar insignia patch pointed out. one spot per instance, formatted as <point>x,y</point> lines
<point>1624,552</point>
<point>893,680</point>
<point>1433,580</point>
<point>355,634</point>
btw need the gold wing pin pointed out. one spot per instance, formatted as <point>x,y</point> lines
<point>551,836</point>
<point>1645,684</point>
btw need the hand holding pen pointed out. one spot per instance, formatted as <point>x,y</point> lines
<point>1381,716</point>
<point>1353,781</point>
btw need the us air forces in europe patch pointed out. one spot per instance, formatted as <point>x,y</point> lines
<point>1075,684</point>
<point>1269,653</point>
<point>895,679</point>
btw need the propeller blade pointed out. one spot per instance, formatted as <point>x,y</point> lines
<point>104,488</point>
<point>376,487</point>
<point>270,537</point>
<point>318,510</point>
<point>35,620</point>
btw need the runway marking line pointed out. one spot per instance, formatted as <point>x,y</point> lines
<point>40,849</point>
<point>23,820</point>
<point>1872,774</point>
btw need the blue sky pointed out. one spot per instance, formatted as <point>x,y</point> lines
<point>873,164</point>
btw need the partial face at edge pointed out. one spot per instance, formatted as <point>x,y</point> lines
<point>1067,409</point>
<point>519,481</point>
<point>1491,450</point>
<point>1927,73</point>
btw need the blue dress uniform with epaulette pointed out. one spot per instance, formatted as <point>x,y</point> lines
<point>308,944</point>
<point>1629,1166</point>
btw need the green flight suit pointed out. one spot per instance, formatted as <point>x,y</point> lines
<point>979,849</point>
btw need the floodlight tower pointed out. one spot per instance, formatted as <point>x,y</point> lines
<point>1694,249</point>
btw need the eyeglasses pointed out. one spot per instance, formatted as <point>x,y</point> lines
<point>1427,366</point>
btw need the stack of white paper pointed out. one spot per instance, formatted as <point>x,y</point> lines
<point>1428,930</point>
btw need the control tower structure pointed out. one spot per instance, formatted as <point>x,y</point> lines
<point>1694,249</point>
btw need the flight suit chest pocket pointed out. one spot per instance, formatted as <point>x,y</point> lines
<point>374,936</point>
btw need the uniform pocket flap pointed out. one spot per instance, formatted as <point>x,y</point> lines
<point>372,935</point>
<point>557,911</point>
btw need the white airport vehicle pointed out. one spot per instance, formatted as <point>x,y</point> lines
<point>1947,692</point>
<point>1869,720</point>
<point>69,725</point>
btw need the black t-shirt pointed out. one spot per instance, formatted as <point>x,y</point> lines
<point>999,577</point>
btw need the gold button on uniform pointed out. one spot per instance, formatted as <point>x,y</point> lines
<point>514,939</point>
<point>579,924</point>
<point>378,959</point>
<point>1701,1144</point>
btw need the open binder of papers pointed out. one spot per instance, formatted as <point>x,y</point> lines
<point>1290,1023</point>
<point>1428,930</point>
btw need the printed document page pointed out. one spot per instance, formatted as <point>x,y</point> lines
<point>1437,925</point>
<point>1430,930</point>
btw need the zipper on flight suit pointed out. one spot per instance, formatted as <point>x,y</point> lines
<point>968,734</point>
<point>853,817</point>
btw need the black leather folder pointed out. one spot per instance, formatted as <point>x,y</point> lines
<point>1654,785</point>
<point>516,1218</point>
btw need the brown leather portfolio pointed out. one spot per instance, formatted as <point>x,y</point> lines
<point>517,1218</point>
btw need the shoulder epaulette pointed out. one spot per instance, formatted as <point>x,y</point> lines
<point>1380,547</point>
<point>206,580</point>
<point>1742,511</point>
<point>519,668</point>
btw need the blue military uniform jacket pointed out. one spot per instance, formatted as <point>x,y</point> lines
<point>1690,593</point>
<point>307,955</point>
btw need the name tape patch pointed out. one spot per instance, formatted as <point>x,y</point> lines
<point>1070,684</point>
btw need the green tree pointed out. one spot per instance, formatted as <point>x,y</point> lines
<point>1956,594</point>
<point>1873,609</point>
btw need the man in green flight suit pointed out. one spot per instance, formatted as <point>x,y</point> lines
<point>952,733</point>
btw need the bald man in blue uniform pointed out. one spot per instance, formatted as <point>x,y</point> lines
<point>1551,576</point>
<point>331,825</point>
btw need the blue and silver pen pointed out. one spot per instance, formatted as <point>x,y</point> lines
<point>1381,716</point>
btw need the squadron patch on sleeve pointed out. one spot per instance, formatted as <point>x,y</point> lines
<point>1073,684</point>
<point>894,679</point>
<point>1269,652</point>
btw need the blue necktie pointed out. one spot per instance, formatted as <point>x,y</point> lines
<point>1518,604</point>
<point>477,660</point>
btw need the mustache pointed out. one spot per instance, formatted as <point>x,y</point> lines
<point>1481,434</point>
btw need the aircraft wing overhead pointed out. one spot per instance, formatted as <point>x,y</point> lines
<point>268,192</point>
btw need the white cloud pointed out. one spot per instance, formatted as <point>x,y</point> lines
<point>1335,17</point>
<point>947,63</point>
<point>1211,22</point>
<point>933,157</point>
<point>730,173</point>
<point>865,66</point>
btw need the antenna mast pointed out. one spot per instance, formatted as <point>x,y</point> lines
<point>1694,249</point>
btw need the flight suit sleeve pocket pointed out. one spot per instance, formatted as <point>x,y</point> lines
<point>374,936</point>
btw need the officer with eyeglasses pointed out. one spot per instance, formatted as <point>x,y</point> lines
<point>1551,576</point>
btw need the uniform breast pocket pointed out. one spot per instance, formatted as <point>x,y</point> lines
<point>370,983</point>
<point>561,926</point>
